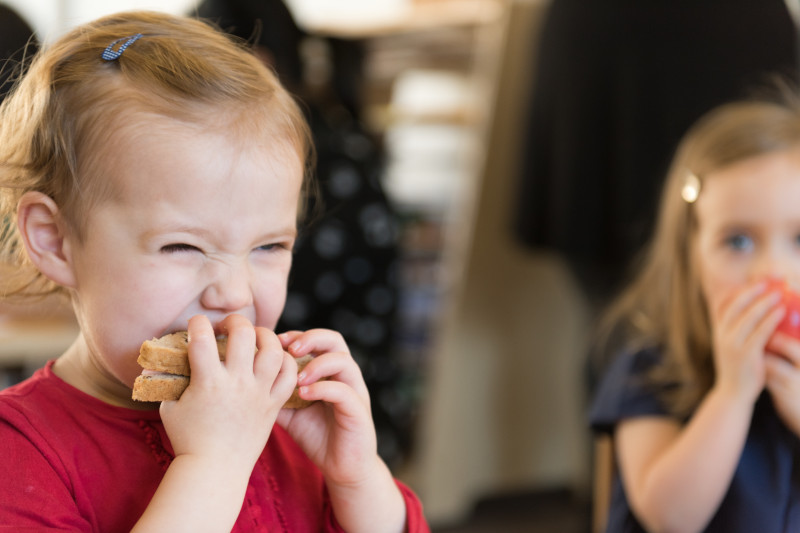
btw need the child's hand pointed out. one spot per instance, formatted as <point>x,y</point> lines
<point>338,435</point>
<point>219,426</point>
<point>783,379</point>
<point>742,326</point>
<point>228,410</point>
<point>337,432</point>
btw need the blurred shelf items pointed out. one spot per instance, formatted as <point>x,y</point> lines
<point>496,333</point>
<point>429,75</point>
<point>446,84</point>
<point>32,334</point>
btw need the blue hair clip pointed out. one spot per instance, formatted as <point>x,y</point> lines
<point>109,54</point>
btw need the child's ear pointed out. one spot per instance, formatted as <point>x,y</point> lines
<point>44,234</point>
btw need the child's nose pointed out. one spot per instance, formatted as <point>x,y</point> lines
<point>772,265</point>
<point>229,290</point>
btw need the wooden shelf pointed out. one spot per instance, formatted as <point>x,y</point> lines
<point>30,342</point>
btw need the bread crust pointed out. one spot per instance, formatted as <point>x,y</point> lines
<point>167,387</point>
<point>169,355</point>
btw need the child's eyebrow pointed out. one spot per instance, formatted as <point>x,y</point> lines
<point>286,231</point>
<point>178,228</point>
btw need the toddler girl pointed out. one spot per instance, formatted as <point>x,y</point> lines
<point>703,402</point>
<point>156,170</point>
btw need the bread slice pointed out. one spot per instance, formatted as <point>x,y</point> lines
<point>164,387</point>
<point>166,370</point>
<point>159,387</point>
<point>170,353</point>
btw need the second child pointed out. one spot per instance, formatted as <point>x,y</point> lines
<point>702,400</point>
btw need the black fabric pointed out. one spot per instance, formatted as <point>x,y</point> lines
<point>268,23</point>
<point>616,85</point>
<point>17,42</point>
<point>344,275</point>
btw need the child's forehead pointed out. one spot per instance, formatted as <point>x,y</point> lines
<point>216,129</point>
<point>175,152</point>
<point>131,128</point>
<point>239,119</point>
<point>764,186</point>
<point>754,170</point>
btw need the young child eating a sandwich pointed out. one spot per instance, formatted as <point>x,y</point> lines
<point>153,170</point>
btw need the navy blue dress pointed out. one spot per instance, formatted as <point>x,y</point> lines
<point>764,495</point>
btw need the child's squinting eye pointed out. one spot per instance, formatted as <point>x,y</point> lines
<point>739,242</point>
<point>179,247</point>
<point>272,247</point>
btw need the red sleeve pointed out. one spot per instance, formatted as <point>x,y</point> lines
<point>415,519</point>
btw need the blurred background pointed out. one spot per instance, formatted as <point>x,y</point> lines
<point>466,148</point>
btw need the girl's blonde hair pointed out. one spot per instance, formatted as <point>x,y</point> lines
<point>663,306</point>
<point>62,115</point>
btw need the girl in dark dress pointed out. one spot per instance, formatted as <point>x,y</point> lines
<point>703,404</point>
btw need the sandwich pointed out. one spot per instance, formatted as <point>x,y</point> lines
<point>166,369</point>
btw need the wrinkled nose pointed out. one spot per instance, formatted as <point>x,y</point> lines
<point>228,290</point>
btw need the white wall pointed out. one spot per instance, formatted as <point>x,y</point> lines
<point>51,18</point>
<point>43,15</point>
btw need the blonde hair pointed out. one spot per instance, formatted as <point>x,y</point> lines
<point>663,306</point>
<point>68,105</point>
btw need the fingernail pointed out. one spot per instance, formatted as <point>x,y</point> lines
<point>295,346</point>
<point>303,391</point>
<point>301,377</point>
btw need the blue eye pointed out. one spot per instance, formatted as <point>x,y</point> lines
<point>739,242</point>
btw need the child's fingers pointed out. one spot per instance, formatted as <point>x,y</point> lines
<point>334,361</point>
<point>269,353</point>
<point>787,347</point>
<point>347,401</point>
<point>314,341</point>
<point>761,317</point>
<point>735,303</point>
<point>286,380</point>
<point>336,366</point>
<point>203,353</point>
<point>241,348</point>
<point>765,326</point>
<point>274,364</point>
<point>288,337</point>
<point>781,374</point>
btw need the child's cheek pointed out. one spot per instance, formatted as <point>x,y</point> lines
<point>270,299</point>
<point>718,294</point>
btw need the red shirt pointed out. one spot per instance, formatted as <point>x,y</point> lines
<point>71,462</point>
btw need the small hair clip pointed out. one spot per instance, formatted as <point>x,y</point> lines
<point>109,54</point>
<point>691,188</point>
